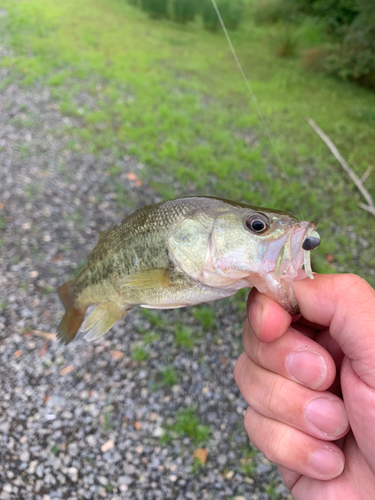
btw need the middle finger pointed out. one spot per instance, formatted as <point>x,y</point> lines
<point>294,356</point>
<point>319,414</point>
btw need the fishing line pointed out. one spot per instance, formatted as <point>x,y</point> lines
<point>255,101</point>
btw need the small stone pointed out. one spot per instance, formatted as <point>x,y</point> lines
<point>103,480</point>
<point>8,488</point>
<point>125,480</point>
<point>91,440</point>
<point>40,470</point>
<point>108,445</point>
<point>33,274</point>
<point>73,473</point>
<point>129,469</point>
<point>73,449</point>
<point>173,478</point>
<point>158,432</point>
<point>102,492</point>
<point>222,459</point>
<point>47,238</point>
<point>25,456</point>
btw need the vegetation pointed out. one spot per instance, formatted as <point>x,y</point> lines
<point>187,424</point>
<point>170,95</point>
<point>349,50</point>
<point>139,354</point>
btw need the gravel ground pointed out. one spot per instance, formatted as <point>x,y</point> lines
<point>87,420</point>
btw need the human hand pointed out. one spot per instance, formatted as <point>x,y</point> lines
<point>287,375</point>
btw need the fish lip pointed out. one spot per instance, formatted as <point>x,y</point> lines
<point>291,256</point>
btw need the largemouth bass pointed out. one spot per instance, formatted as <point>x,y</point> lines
<point>184,252</point>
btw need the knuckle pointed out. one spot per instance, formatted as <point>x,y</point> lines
<point>357,292</point>
<point>350,284</point>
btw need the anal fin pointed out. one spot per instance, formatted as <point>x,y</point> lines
<point>103,317</point>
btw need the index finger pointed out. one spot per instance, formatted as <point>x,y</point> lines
<point>346,304</point>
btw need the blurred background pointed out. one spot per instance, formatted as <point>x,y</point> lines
<point>107,105</point>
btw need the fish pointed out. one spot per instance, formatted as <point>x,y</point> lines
<point>184,252</point>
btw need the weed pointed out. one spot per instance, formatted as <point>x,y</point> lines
<point>107,418</point>
<point>151,337</point>
<point>183,336</point>
<point>139,354</point>
<point>114,170</point>
<point>169,376</point>
<point>32,190</point>
<point>154,317</point>
<point>55,450</point>
<point>187,424</point>
<point>206,316</point>
<point>247,461</point>
<point>286,43</point>
<point>15,259</point>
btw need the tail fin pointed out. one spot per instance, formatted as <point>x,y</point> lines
<point>73,316</point>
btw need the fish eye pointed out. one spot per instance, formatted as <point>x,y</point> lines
<point>257,223</point>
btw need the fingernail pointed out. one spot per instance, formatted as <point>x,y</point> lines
<point>308,368</point>
<point>255,317</point>
<point>327,462</point>
<point>327,415</point>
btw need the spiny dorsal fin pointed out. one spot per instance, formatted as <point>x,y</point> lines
<point>150,278</point>
<point>103,317</point>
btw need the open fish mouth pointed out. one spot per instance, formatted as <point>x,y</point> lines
<point>295,253</point>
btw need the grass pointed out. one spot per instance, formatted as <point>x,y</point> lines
<point>247,462</point>
<point>171,96</point>
<point>169,376</point>
<point>187,424</point>
<point>183,336</point>
<point>139,354</point>
<point>206,315</point>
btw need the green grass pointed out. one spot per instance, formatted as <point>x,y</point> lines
<point>139,354</point>
<point>184,336</point>
<point>247,462</point>
<point>187,424</point>
<point>171,96</point>
<point>169,376</point>
<point>206,315</point>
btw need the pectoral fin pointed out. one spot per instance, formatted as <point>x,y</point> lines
<point>150,278</point>
<point>103,317</point>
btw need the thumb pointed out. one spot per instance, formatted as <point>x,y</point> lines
<point>346,304</point>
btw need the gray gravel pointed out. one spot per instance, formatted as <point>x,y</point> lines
<point>87,420</point>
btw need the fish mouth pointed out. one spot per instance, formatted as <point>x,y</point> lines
<point>295,253</point>
<point>293,256</point>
